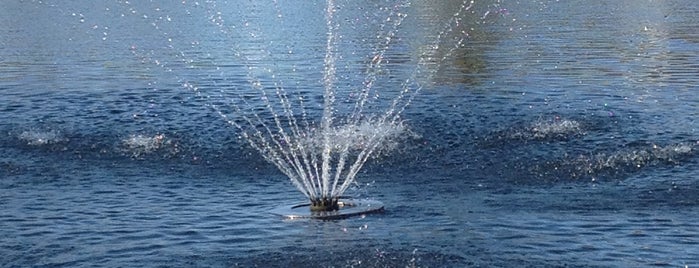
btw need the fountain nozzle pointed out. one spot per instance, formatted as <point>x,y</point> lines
<point>324,204</point>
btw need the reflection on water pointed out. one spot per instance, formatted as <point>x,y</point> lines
<point>471,37</point>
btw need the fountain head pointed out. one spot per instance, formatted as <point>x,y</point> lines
<point>324,204</point>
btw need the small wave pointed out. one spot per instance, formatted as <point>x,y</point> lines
<point>42,137</point>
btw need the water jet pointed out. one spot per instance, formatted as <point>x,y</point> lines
<point>322,146</point>
<point>322,158</point>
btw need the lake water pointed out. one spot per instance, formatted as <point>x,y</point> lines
<point>560,133</point>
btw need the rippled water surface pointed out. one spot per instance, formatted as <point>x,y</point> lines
<point>558,133</point>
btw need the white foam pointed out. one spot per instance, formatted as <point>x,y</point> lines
<point>38,137</point>
<point>140,144</point>
<point>543,129</point>
<point>640,157</point>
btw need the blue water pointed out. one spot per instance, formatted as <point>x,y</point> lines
<point>562,133</point>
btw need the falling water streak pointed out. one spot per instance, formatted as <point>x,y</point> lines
<point>391,112</point>
<point>375,64</point>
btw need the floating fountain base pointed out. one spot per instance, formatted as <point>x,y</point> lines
<point>345,208</point>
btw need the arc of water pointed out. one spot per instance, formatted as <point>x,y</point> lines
<point>374,141</point>
<point>293,151</point>
<point>307,168</point>
<point>394,114</point>
<point>308,159</point>
<point>282,143</point>
<point>396,109</point>
<point>373,67</point>
<point>290,157</point>
<point>266,150</point>
<point>376,62</point>
<point>288,152</point>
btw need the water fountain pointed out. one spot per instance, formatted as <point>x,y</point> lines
<point>322,157</point>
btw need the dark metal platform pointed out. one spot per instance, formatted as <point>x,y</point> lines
<point>348,208</point>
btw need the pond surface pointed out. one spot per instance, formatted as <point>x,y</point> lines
<point>546,133</point>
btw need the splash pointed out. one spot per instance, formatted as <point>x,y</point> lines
<point>556,128</point>
<point>41,137</point>
<point>618,162</point>
<point>358,137</point>
<point>559,127</point>
<point>138,145</point>
<point>637,157</point>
